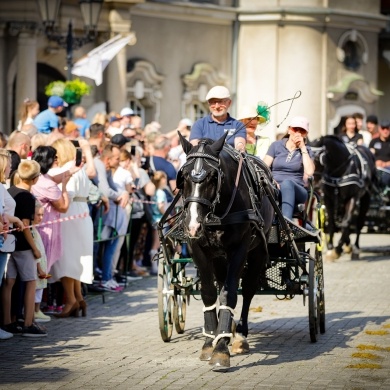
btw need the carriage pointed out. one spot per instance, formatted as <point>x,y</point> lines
<point>295,264</point>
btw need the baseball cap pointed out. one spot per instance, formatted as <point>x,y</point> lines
<point>70,127</point>
<point>218,92</point>
<point>56,101</point>
<point>115,118</point>
<point>385,123</point>
<point>119,140</point>
<point>300,121</point>
<point>372,119</point>
<point>127,112</point>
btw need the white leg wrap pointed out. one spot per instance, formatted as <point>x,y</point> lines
<point>220,336</point>
<point>227,308</point>
<point>210,308</point>
<point>207,334</point>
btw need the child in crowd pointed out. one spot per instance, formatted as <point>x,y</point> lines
<point>159,205</point>
<point>41,265</point>
<point>22,260</point>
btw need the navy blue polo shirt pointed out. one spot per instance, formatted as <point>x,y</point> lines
<point>286,164</point>
<point>207,128</point>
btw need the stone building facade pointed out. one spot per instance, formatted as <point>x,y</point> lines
<point>326,51</point>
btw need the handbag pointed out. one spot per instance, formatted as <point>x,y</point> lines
<point>139,204</point>
<point>8,244</point>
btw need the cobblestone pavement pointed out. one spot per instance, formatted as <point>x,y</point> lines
<point>118,346</point>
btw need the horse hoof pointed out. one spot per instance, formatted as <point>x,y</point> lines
<point>218,368</point>
<point>355,256</point>
<point>347,248</point>
<point>220,362</point>
<point>206,354</point>
<point>240,345</point>
<point>332,255</point>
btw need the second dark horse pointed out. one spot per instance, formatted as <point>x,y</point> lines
<point>347,176</point>
<point>227,225</point>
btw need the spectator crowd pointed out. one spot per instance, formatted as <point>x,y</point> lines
<point>71,192</point>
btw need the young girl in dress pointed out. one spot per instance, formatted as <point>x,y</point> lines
<point>159,205</point>
<point>41,265</point>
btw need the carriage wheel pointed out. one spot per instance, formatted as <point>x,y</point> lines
<point>180,302</point>
<point>321,290</point>
<point>165,300</point>
<point>314,311</point>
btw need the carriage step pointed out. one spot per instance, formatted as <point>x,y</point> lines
<point>182,260</point>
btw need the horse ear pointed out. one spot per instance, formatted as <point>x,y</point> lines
<point>186,145</point>
<point>218,145</point>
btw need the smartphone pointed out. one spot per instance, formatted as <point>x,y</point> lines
<point>75,143</point>
<point>132,150</point>
<point>79,157</point>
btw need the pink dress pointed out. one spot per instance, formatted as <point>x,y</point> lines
<point>46,190</point>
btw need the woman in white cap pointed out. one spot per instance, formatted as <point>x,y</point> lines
<point>291,160</point>
<point>219,122</point>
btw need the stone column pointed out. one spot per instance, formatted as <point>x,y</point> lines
<point>26,76</point>
<point>3,84</point>
<point>115,76</point>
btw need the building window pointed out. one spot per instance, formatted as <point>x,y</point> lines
<point>352,50</point>
<point>144,90</point>
<point>196,84</point>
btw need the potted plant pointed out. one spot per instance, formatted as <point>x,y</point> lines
<point>71,91</point>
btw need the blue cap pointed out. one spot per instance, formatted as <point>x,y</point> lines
<point>56,101</point>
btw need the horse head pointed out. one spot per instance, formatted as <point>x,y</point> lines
<point>200,179</point>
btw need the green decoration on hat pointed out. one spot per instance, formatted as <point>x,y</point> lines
<point>263,113</point>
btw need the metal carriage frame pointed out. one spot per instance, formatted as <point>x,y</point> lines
<point>296,266</point>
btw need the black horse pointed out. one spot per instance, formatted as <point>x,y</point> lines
<point>347,175</point>
<point>227,224</point>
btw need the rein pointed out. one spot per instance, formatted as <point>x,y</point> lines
<point>235,187</point>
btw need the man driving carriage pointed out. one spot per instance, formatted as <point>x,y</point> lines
<point>219,122</point>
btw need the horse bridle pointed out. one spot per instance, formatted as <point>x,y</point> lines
<point>198,174</point>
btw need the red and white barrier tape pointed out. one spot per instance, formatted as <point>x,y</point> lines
<point>59,220</point>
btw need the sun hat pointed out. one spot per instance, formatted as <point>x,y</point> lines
<point>56,101</point>
<point>218,92</point>
<point>127,111</point>
<point>300,121</point>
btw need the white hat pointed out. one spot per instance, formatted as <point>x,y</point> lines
<point>300,121</point>
<point>186,122</point>
<point>218,92</point>
<point>126,111</point>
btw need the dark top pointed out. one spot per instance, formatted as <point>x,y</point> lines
<point>25,209</point>
<point>207,128</point>
<point>382,149</point>
<point>354,140</point>
<point>161,164</point>
<point>286,164</point>
<point>15,161</point>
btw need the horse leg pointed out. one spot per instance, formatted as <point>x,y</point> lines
<point>209,330</point>
<point>209,297</point>
<point>344,239</point>
<point>256,269</point>
<point>364,206</point>
<point>220,359</point>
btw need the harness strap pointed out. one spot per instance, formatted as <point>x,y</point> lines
<point>235,187</point>
<point>233,218</point>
